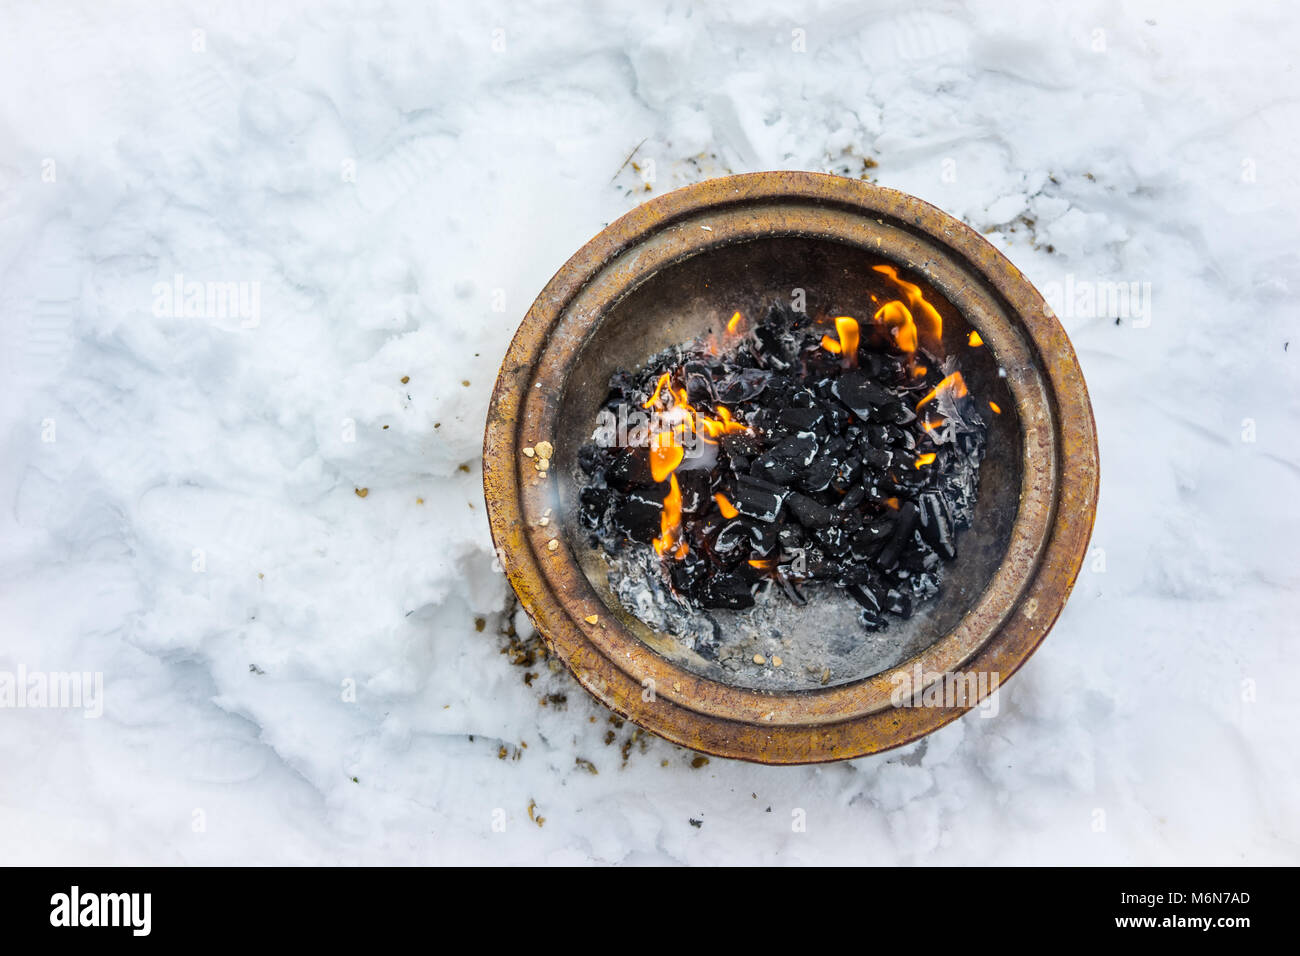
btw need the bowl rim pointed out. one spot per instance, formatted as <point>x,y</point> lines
<point>1050,532</point>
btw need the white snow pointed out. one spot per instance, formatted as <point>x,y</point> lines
<point>393,184</point>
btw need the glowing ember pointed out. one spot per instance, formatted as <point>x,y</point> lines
<point>725,507</point>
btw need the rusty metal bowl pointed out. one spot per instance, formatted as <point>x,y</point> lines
<point>674,269</point>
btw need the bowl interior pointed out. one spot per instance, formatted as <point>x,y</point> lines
<point>821,643</point>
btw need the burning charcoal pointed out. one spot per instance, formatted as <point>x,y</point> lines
<point>694,487</point>
<point>822,466</point>
<point>621,385</point>
<point>731,590</point>
<point>732,536</point>
<point>629,469</point>
<point>740,444</point>
<point>859,394</point>
<point>637,516</point>
<point>837,418</point>
<point>689,574</point>
<point>757,499</point>
<point>852,573</point>
<point>763,538</point>
<point>741,386</point>
<point>894,413</point>
<point>700,532</point>
<point>924,587</point>
<point>810,513</point>
<point>778,349</point>
<point>847,475</point>
<point>817,564</point>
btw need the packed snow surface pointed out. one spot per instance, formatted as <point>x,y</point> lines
<point>257,259</point>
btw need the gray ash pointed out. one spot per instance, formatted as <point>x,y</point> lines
<point>791,460</point>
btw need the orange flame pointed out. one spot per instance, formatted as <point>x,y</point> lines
<point>891,503</point>
<point>726,507</point>
<point>665,455</point>
<point>898,320</point>
<point>670,522</point>
<point>846,327</point>
<point>927,458</point>
<point>953,382</point>
<point>667,452</point>
<point>654,398</point>
<point>734,322</point>
<point>996,409</point>
<point>763,564</point>
<point>934,322</point>
<point>974,340</point>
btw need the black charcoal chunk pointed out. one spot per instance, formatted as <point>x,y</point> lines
<point>801,419</point>
<point>809,512</point>
<point>819,475</point>
<point>732,536</point>
<point>789,536</point>
<point>637,516</point>
<point>593,459</point>
<point>871,538</point>
<point>852,498</point>
<point>594,502</point>
<point>741,386</point>
<point>898,602</point>
<point>629,469</point>
<point>694,485</point>
<point>731,590</point>
<point>773,471</point>
<point>936,523</point>
<point>901,534</point>
<point>798,451</point>
<point>763,538</point>
<point>756,499</point>
<point>858,393</point>
<point>865,596</point>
